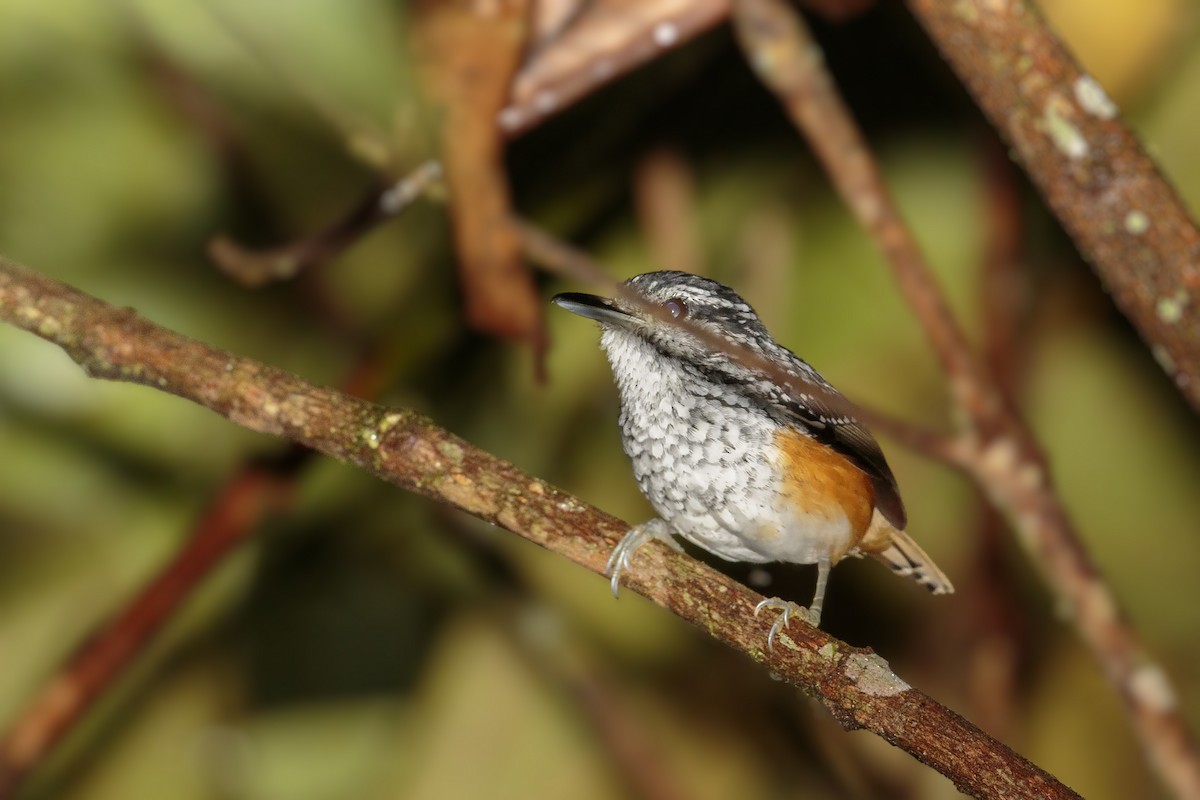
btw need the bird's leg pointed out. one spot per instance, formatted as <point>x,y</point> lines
<point>638,535</point>
<point>811,615</point>
<point>814,610</point>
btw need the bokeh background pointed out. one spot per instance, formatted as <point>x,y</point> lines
<point>368,643</point>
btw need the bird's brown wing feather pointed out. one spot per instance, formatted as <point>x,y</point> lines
<point>831,426</point>
<point>853,440</point>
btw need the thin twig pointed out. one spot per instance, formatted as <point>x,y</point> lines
<point>402,447</point>
<point>233,515</point>
<point>1001,453</point>
<point>254,268</point>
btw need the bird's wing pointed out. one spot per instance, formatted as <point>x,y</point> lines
<point>828,424</point>
<point>856,442</point>
<point>848,436</point>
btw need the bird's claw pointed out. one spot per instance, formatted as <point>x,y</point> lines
<point>787,610</point>
<point>637,536</point>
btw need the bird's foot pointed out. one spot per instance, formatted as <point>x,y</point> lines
<point>639,535</point>
<point>787,610</point>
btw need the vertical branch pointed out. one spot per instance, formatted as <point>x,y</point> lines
<point>996,632</point>
<point>665,199</point>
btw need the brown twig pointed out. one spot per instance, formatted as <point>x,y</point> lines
<point>609,39</point>
<point>402,447</point>
<point>254,268</point>
<point>233,514</point>
<point>1123,215</point>
<point>997,450</point>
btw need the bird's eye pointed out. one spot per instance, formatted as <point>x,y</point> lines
<point>676,308</point>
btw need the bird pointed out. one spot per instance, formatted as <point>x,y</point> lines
<point>740,446</point>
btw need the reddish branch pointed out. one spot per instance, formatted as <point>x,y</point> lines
<point>233,514</point>
<point>402,447</point>
<point>1124,217</point>
<point>607,40</point>
<point>997,448</point>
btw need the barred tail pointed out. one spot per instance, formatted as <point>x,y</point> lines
<point>905,557</point>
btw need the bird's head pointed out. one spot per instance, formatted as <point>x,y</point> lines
<point>679,314</point>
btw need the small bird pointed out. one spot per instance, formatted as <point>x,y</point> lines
<point>741,446</point>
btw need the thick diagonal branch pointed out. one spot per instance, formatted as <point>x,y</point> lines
<point>1125,218</point>
<point>406,449</point>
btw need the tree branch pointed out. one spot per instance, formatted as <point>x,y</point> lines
<point>258,267</point>
<point>406,449</point>
<point>1123,215</point>
<point>997,449</point>
<point>233,515</point>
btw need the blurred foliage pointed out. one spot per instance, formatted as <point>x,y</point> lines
<point>369,644</point>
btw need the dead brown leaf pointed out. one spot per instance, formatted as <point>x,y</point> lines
<point>469,52</point>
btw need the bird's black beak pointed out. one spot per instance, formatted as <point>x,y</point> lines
<point>601,309</point>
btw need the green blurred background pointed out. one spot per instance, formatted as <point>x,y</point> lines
<point>368,643</point>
